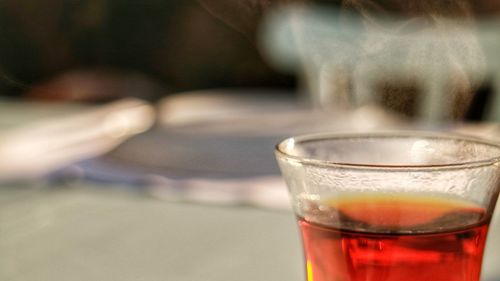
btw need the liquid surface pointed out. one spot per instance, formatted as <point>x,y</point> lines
<point>377,238</point>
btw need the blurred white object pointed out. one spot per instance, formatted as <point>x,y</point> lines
<point>346,58</point>
<point>43,144</point>
<point>244,112</point>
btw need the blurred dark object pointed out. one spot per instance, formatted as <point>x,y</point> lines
<point>175,42</point>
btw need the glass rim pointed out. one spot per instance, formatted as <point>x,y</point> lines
<point>486,161</point>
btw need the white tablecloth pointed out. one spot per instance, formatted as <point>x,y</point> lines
<point>90,234</point>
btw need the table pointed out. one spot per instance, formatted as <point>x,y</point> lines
<point>89,233</point>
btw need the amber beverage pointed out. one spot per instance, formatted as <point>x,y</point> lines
<point>391,207</point>
<point>369,239</point>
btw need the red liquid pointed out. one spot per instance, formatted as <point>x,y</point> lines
<point>393,239</point>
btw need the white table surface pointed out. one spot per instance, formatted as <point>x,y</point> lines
<point>89,234</point>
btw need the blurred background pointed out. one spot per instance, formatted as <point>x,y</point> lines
<point>179,45</point>
<point>137,137</point>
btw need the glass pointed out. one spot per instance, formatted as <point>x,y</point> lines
<point>399,206</point>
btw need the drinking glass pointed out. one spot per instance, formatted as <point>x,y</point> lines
<point>395,206</point>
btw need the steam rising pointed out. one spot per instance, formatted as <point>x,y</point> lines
<point>431,65</point>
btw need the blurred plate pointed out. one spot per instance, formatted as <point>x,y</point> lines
<point>230,133</point>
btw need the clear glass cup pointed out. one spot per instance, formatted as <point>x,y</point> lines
<point>398,206</point>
